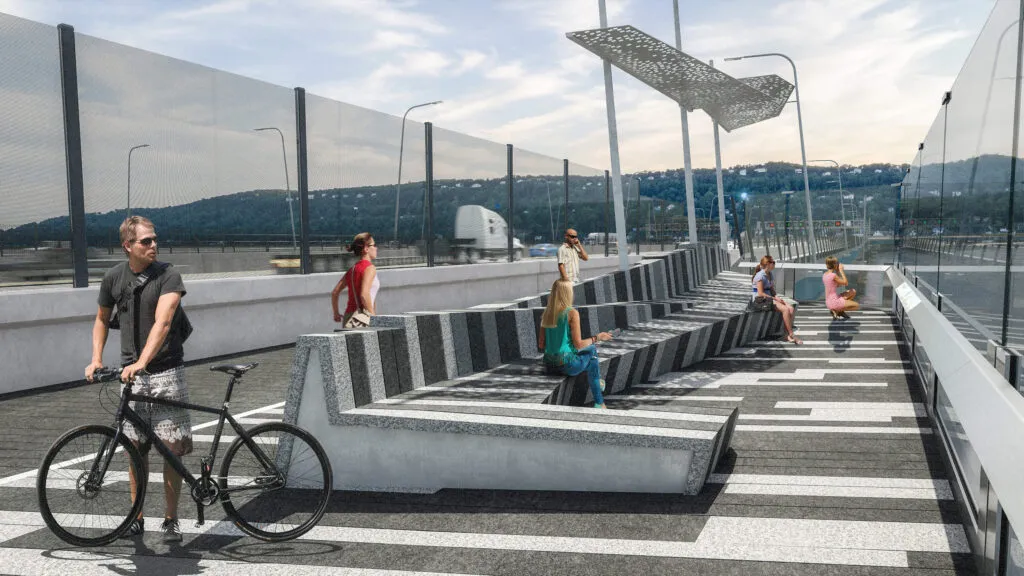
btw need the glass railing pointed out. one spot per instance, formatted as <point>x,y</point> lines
<point>212,159</point>
<point>34,219</point>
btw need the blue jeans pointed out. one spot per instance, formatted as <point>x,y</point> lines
<point>586,360</point>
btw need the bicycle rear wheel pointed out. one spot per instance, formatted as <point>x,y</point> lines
<point>76,506</point>
<point>269,506</point>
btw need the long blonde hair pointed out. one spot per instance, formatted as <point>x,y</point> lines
<point>560,299</point>
<point>832,263</point>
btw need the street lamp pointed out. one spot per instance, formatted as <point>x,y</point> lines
<point>130,150</point>
<point>803,151</point>
<point>287,183</point>
<point>842,200</point>
<point>401,149</point>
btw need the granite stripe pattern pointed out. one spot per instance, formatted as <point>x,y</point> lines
<point>489,354</point>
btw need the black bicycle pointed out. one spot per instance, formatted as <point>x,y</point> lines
<point>274,483</point>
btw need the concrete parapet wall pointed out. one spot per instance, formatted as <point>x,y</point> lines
<point>46,333</point>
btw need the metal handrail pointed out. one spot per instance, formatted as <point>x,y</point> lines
<point>990,410</point>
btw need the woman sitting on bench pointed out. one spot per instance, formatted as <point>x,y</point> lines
<point>765,299</point>
<point>838,302</point>
<point>559,338</point>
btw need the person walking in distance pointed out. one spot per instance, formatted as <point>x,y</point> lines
<point>147,295</point>
<point>569,255</point>
<point>362,284</point>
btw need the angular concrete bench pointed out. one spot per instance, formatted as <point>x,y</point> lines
<point>459,399</point>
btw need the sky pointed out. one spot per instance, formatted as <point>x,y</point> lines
<point>872,73</point>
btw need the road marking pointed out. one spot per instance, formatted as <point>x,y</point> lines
<point>722,538</point>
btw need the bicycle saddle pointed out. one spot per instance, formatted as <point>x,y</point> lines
<point>235,370</point>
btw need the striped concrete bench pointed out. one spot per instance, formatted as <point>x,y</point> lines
<point>431,400</point>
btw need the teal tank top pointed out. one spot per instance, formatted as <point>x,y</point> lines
<point>558,348</point>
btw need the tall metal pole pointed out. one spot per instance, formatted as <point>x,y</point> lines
<point>428,136</point>
<point>607,201</point>
<point>691,220</point>
<point>287,183</point>
<point>637,212</point>
<point>723,227</point>
<point>511,205</point>
<point>130,150</point>
<point>302,180</point>
<point>565,181</point>
<point>72,155</point>
<point>401,148</point>
<point>803,150</point>
<point>1011,224</point>
<point>613,149</point>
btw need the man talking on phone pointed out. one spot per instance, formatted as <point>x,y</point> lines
<point>569,255</point>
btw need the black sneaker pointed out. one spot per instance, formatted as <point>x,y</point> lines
<point>136,528</point>
<point>171,530</point>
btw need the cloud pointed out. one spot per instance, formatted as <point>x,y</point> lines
<point>392,39</point>
<point>389,14</point>
<point>567,15</point>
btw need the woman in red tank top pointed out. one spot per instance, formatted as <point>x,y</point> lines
<point>360,280</point>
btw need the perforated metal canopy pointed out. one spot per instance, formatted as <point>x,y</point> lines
<point>733,103</point>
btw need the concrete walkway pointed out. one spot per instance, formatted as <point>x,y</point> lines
<point>834,470</point>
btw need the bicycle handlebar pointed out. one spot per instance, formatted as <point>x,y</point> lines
<point>106,374</point>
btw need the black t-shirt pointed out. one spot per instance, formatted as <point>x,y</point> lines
<point>118,288</point>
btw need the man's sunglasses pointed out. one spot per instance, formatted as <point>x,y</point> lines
<point>570,236</point>
<point>147,241</point>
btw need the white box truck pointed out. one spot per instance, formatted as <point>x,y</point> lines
<point>481,233</point>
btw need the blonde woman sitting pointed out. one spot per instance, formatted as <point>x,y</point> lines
<point>839,303</point>
<point>559,338</point>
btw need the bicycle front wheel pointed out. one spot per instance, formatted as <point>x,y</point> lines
<point>281,492</point>
<point>78,505</point>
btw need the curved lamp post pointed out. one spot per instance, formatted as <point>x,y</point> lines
<point>130,150</point>
<point>401,149</point>
<point>803,151</point>
<point>287,183</point>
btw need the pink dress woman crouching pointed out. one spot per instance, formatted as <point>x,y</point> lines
<point>832,298</point>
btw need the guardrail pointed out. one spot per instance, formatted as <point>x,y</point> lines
<point>979,416</point>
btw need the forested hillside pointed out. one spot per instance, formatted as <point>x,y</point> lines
<point>263,215</point>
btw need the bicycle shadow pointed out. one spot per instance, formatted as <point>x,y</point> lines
<point>136,559</point>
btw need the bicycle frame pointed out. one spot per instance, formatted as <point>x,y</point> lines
<point>125,412</point>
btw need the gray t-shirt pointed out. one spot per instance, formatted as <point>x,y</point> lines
<point>118,288</point>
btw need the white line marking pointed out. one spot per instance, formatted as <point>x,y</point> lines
<point>722,538</point>
<point>834,486</point>
<point>832,429</point>
<point>32,562</point>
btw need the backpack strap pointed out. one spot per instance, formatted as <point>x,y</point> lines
<point>150,273</point>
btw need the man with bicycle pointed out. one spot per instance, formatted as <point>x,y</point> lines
<point>147,295</point>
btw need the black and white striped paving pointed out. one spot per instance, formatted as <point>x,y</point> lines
<point>834,469</point>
